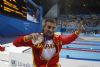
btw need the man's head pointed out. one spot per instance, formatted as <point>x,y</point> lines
<point>49,27</point>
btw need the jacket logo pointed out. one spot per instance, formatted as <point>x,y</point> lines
<point>47,45</point>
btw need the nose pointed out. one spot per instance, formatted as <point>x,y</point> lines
<point>51,29</point>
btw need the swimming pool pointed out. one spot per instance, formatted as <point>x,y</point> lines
<point>82,50</point>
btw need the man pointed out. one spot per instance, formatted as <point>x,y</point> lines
<point>46,46</point>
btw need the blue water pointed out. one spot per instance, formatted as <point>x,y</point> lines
<point>93,56</point>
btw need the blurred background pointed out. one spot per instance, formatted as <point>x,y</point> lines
<point>22,17</point>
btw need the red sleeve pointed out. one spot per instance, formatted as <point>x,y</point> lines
<point>20,42</point>
<point>68,39</point>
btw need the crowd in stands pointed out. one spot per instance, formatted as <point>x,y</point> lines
<point>91,24</point>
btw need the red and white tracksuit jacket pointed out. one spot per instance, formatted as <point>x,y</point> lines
<point>37,50</point>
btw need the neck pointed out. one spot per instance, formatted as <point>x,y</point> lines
<point>46,37</point>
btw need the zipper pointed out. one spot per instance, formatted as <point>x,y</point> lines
<point>47,64</point>
<point>54,55</point>
<point>56,48</point>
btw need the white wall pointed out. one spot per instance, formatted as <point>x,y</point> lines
<point>26,59</point>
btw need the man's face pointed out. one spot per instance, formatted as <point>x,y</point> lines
<point>49,29</point>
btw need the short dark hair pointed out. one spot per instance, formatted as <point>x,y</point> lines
<point>50,20</point>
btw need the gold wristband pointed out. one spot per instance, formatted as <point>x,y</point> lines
<point>77,32</point>
<point>27,38</point>
<point>24,38</point>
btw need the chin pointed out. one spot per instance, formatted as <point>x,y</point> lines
<point>50,35</point>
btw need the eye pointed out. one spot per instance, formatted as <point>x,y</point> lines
<point>49,27</point>
<point>53,27</point>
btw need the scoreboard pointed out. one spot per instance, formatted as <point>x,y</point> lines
<point>26,10</point>
<point>13,8</point>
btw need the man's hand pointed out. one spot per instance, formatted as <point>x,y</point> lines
<point>80,28</point>
<point>35,37</point>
